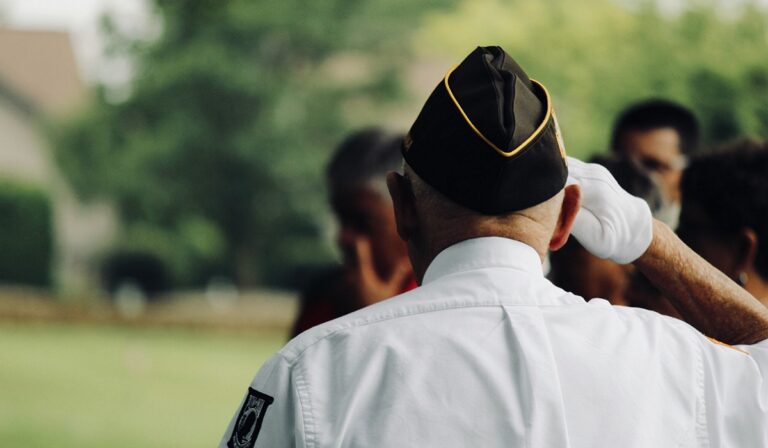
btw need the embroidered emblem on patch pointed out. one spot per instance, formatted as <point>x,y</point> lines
<point>723,344</point>
<point>249,420</point>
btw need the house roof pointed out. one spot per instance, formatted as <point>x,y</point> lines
<point>40,68</point>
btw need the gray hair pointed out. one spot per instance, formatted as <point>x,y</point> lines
<point>432,201</point>
<point>439,212</point>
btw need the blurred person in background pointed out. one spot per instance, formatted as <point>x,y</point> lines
<point>659,135</point>
<point>724,214</point>
<point>574,269</point>
<point>375,263</point>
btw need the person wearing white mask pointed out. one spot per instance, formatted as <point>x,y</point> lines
<point>660,136</point>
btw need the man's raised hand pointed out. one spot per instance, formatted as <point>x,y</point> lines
<point>612,223</point>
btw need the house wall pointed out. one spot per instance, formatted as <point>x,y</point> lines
<point>81,231</point>
<point>21,146</point>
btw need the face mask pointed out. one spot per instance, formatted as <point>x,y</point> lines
<point>668,213</point>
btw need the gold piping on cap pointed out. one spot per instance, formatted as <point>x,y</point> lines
<point>519,147</point>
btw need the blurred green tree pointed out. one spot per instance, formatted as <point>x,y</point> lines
<point>598,56</point>
<point>215,158</point>
<point>218,150</point>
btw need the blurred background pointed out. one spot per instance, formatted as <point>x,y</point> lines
<point>162,171</point>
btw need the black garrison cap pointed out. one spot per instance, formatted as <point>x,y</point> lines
<point>487,137</point>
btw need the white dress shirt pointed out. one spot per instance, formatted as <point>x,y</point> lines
<point>488,353</point>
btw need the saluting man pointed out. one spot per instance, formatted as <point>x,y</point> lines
<point>487,352</point>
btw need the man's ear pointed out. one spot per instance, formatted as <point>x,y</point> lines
<point>568,211</point>
<point>745,258</point>
<point>404,204</point>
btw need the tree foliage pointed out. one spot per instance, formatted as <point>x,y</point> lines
<point>215,158</point>
<point>229,123</point>
<point>597,56</point>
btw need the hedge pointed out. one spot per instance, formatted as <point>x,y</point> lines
<point>26,235</point>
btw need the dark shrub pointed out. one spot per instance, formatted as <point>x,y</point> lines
<point>26,240</point>
<point>143,269</point>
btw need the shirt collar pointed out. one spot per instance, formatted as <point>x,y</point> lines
<point>485,252</point>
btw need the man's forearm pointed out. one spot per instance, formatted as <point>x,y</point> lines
<point>705,297</point>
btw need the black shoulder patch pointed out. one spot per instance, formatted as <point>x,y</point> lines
<point>249,420</point>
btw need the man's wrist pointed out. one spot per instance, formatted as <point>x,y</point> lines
<point>660,240</point>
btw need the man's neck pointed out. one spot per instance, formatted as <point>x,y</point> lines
<point>531,234</point>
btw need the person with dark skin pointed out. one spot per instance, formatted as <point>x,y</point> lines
<point>724,218</point>
<point>724,215</point>
<point>659,135</point>
<point>375,262</point>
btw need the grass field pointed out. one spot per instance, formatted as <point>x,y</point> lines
<point>86,385</point>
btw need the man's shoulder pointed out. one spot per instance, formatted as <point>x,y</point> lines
<point>405,304</point>
<point>382,320</point>
<point>386,319</point>
<point>625,320</point>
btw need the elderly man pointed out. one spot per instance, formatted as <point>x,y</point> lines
<point>488,353</point>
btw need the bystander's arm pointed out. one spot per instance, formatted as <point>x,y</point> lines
<point>705,297</point>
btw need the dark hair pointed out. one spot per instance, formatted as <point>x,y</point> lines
<point>730,186</point>
<point>633,179</point>
<point>364,156</point>
<point>654,114</point>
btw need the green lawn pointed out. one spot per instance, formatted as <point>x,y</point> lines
<point>74,385</point>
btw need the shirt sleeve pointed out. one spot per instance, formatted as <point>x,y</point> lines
<point>268,415</point>
<point>736,391</point>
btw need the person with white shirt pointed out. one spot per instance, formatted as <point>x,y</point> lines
<point>487,352</point>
